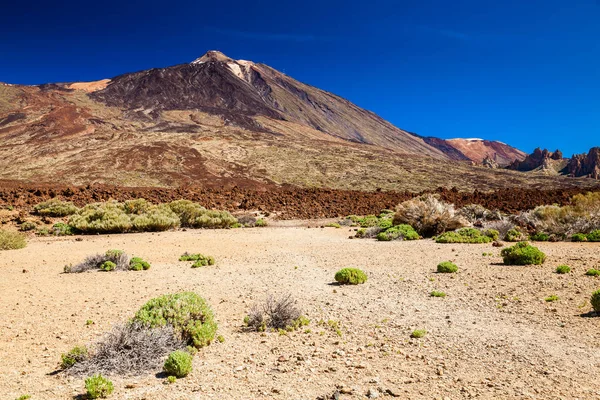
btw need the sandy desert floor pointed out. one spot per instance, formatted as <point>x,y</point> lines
<point>493,336</point>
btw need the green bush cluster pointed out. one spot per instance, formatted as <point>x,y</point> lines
<point>350,276</point>
<point>200,260</point>
<point>515,235</point>
<point>178,364</point>
<point>193,215</point>
<point>98,387</point>
<point>523,253</point>
<point>593,236</point>
<point>55,208</point>
<point>447,267</point>
<point>468,235</point>
<point>579,237</point>
<point>75,355</point>
<point>595,300</point>
<point>563,269</point>
<point>540,237</point>
<point>12,240</point>
<point>188,314</point>
<point>398,232</point>
<point>138,264</point>
<point>260,223</point>
<point>108,266</point>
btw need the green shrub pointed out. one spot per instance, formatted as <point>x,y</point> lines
<point>75,355</point>
<point>592,272</point>
<point>11,240</point>
<point>27,226</point>
<point>594,236</point>
<point>418,333</point>
<point>108,266</point>
<point>138,264</point>
<point>260,223</point>
<point>98,387</point>
<point>514,235</point>
<point>523,253</point>
<point>595,300</point>
<point>447,267</point>
<point>55,208</point>
<point>398,232</point>
<point>551,298</point>
<point>24,397</point>
<point>465,235</point>
<point>193,215</point>
<point>333,225</point>
<point>62,229</point>
<point>171,379</point>
<point>563,269</point>
<point>386,223</point>
<point>188,314</point>
<point>350,276</point>
<point>540,237</point>
<point>178,364</point>
<point>200,259</point>
<point>579,237</point>
<point>436,293</point>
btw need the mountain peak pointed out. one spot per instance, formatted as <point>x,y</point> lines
<point>212,55</point>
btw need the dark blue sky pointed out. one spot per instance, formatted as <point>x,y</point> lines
<point>523,72</point>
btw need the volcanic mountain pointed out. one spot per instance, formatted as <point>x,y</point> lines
<point>219,121</point>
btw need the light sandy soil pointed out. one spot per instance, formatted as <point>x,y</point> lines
<point>494,336</point>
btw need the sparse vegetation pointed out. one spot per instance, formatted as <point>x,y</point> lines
<point>188,314</point>
<point>28,226</point>
<point>515,235</point>
<point>12,240</point>
<point>260,223</point>
<point>595,300</point>
<point>55,208</point>
<point>551,298</point>
<point>350,276</point>
<point>592,272</point>
<point>418,333</point>
<point>447,267</point>
<point>98,387</point>
<point>467,235</point>
<point>398,232</point>
<point>178,364</point>
<point>523,253</point>
<point>75,355</point>
<point>437,293</point>
<point>200,260</point>
<point>171,379</point>
<point>275,313</point>
<point>563,269</point>
<point>110,261</point>
<point>138,264</point>
<point>24,397</point>
<point>428,216</point>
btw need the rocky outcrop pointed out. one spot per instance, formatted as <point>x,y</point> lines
<point>587,165</point>
<point>538,159</point>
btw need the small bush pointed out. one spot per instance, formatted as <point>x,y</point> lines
<point>398,232</point>
<point>75,355</point>
<point>595,300</point>
<point>515,235</point>
<point>592,272</point>
<point>27,226</point>
<point>98,387</point>
<point>260,223</point>
<point>11,240</point>
<point>108,266</point>
<point>350,276</point>
<point>138,264</point>
<point>178,364</point>
<point>563,269</point>
<point>188,314</point>
<point>418,333</point>
<point>579,237</point>
<point>193,215</point>
<point>55,208</point>
<point>551,298</point>
<point>436,293</point>
<point>368,233</point>
<point>24,397</point>
<point>594,236</point>
<point>523,254</point>
<point>62,229</point>
<point>275,313</point>
<point>199,259</point>
<point>466,235</point>
<point>333,225</point>
<point>540,237</point>
<point>428,216</point>
<point>447,267</point>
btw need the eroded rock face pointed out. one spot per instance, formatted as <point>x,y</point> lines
<point>587,165</point>
<point>535,160</point>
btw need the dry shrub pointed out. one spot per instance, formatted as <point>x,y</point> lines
<point>502,226</point>
<point>476,213</point>
<point>276,313</point>
<point>11,240</point>
<point>118,257</point>
<point>428,216</point>
<point>55,208</point>
<point>193,215</point>
<point>129,348</point>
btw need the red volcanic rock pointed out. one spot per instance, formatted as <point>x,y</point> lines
<point>585,164</point>
<point>535,160</point>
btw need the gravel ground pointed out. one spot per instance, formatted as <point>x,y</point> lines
<point>493,336</point>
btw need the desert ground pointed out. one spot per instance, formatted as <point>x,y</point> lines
<point>493,336</point>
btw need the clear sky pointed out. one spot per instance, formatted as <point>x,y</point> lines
<point>525,72</point>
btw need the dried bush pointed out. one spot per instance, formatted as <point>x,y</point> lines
<point>501,226</point>
<point>55,208</point>
<point>116,257</point>
<point>428,216</point>
<point>476,213</point>
<point>247,220</point>
<point>350,276</point>
<point>27,226</point>
<point>129,348</point>
<point>11,240</point>
<point>193,215</point>
<point>398,232</point>
<point>188,314</point>
<point>368,233</point>
<point>178,364</point>
<point>447,267</point>
<point>276,313</point>
<point>468,235</point>
<point>98,387</point>
<point>523,254</point>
